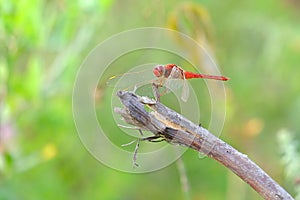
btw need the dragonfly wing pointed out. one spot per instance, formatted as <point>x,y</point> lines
<point>185,91</point>
<point>131,80</point>
<point>174,81</point>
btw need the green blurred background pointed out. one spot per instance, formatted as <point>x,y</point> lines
<point>42,45</point>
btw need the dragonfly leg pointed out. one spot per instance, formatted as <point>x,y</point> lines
<point>134,163</point>
<point>129,143</point>
<point>157,93</point>
<point>155,88</point>
<point>135,88</point>
<point>155,138</point>
<point>129,127</point>
<point>150,139</point>
<point>141,132</point>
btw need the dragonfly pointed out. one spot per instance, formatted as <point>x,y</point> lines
<point>167,76</point>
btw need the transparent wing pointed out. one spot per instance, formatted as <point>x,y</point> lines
<point>131,79</point>
<point>185,91</point>
<point>174,81</point>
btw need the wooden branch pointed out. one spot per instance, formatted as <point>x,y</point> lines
<point>176,129</point>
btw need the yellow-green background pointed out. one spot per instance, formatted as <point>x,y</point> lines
<point>42,44</point>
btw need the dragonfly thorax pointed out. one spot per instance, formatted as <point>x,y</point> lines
<point>168,71</point>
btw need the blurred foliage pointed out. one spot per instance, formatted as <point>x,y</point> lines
<point>255,43</point>
<point>194,20</point>
<point>290,158</point>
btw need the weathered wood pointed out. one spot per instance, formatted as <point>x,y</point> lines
<point>175,129</point>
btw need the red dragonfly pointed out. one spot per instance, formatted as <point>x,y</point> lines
<point>167,76</point>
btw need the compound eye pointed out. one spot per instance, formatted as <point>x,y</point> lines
<point>158,71</point>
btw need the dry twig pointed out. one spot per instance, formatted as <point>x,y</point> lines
<point>167,124</point>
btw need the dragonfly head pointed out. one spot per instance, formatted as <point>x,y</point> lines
<point>158,70</point>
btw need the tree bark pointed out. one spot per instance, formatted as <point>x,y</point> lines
<point>167,124</point>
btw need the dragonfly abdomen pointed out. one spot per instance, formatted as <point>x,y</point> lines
<point>190,75</point>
